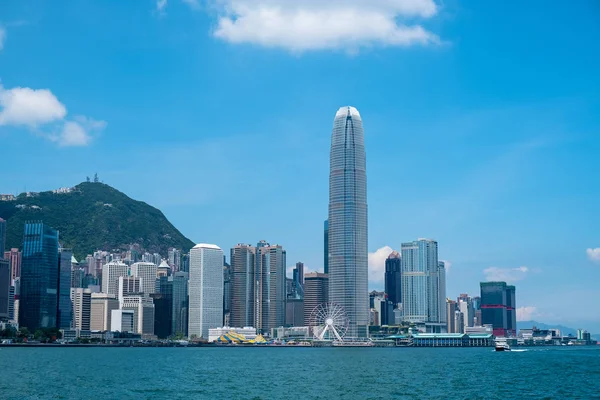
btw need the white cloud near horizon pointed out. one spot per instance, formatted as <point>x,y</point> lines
<point>508,275</point>
<point>526,313</point>
<point>2,37</point>
<point>305,25</point>
<point>593,254</point>
<point>377,264</point>
<point>32,108</point>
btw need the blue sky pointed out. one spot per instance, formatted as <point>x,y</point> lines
<point>482,125</point>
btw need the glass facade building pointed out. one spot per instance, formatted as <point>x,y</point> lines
<point>393,278</point>
<point>498,307</point>
<point>180,303</point>
<point>39,277</point>
<point>65,305</point>
<point>242,285</point>
<point>347,221</point>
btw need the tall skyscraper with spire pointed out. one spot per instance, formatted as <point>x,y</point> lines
<point>347,222</point>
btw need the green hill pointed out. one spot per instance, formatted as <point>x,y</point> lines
<point>94,216</point>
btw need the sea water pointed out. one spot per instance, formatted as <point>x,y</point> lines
<point>299,373</point>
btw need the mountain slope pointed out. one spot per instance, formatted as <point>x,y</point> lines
<point>93,216</point>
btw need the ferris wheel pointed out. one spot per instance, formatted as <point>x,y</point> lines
<point>329,321</point>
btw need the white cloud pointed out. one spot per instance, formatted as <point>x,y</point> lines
<point>2,37</point>
<point>78,133</point>
<point>526,313</point>
<point>31,107</point>
<point>593,254</point>
<point>36,107</point>
<point>505,274</point>
<point>192,3</point>
<point>377,264</point>
<point>303,25</point>
<point>161,5</point>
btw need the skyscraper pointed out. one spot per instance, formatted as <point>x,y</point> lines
<point>14,258</point>
<point>101,308</point>
<point>82,303</point>
<point>443,316</point>
<point>147,271</point>
<point>270,294</point>
<point>205,289</point>
<point>5,276</point>
<point>65,306</point>
<point>2,237</point>
<point>39,277</point>
<point>393,278</point>
<point>498,306</point>
<point>110,276</point>
<point>316,291</point>
<point>421,284</point>
<point>180,303</point>
<point>242,285</point>
<point>347,222</point>
<point>326,247</point>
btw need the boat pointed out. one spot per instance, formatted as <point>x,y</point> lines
<point>502,347</point>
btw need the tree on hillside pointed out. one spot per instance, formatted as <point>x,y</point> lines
<point>96,180</point>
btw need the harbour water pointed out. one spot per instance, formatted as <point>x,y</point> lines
<point>299,373</point>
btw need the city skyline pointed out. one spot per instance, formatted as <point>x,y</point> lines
<point>504,180</point>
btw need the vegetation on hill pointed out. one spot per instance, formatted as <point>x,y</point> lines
<point>93,216</point>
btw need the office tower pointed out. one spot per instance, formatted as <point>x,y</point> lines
<point>110,276</point>
<point>2,237</point>
<point>326,247</point>
<point>205,289</point>
<point>14,259</point>
<point>498,306</point>
<point>128,285</point>
<point>443,317</point>
<point>459,322</point>
<point>163,308</point>
<point>393,278</point>
<point>5,290</point>
<point>294,312</point>
<point>185,263</point>
<point>163,269</point>
<point>11,303</point>
<point>271,287</point>
<point>147,272</point>
<point>316,291</point>
<point>298,274</point>
<point>82,302</point>
<point>242,285</point>
<point>65,307</point>
<point>122,321</point>
<point>465,306</point>
<point>348,236</point>
<point>174,257</point>
<point>226,292</point>
<point>78,278</point>
<point>90,263</point>
<point>156,259</point>
<point>421,283</point>
<point>143,312</point>
<point>39,277</point>
<point>17,285</point>
<point>451,308</point>
<point>101,308</point>
<point>180,303</point>
<point>382,310</point>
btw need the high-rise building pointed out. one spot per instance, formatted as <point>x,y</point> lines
<point>2,237</point>
<point>39,277</point>
<point>498,306</point>
<point>326,246</point>
<point>110,276</point>
<point>82,302</point>
<point>205,289</point>
<point>226,292</point>
<point>65,306</point>
<point>143,312</point>
<point>5,285</point>
<point>421,283</point>
<point>348,236</point>
<point>298,273</point>
<point>146,271</point>
<point>465,306</point>
<point>180,303</point>
<point>242,285</point>
<point>14,259</point>
<point>271,287</point>
<point>123,321</point>
<point>101,309</point>
<point>316,291</point>
<point>393,278</point>
<point>294,312</point>
<point>451,308</point>
<point>163,312</point>
<point>129,285</point>
<point>459,322</point>
<point>441,277</point>
<point>174,259</point>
